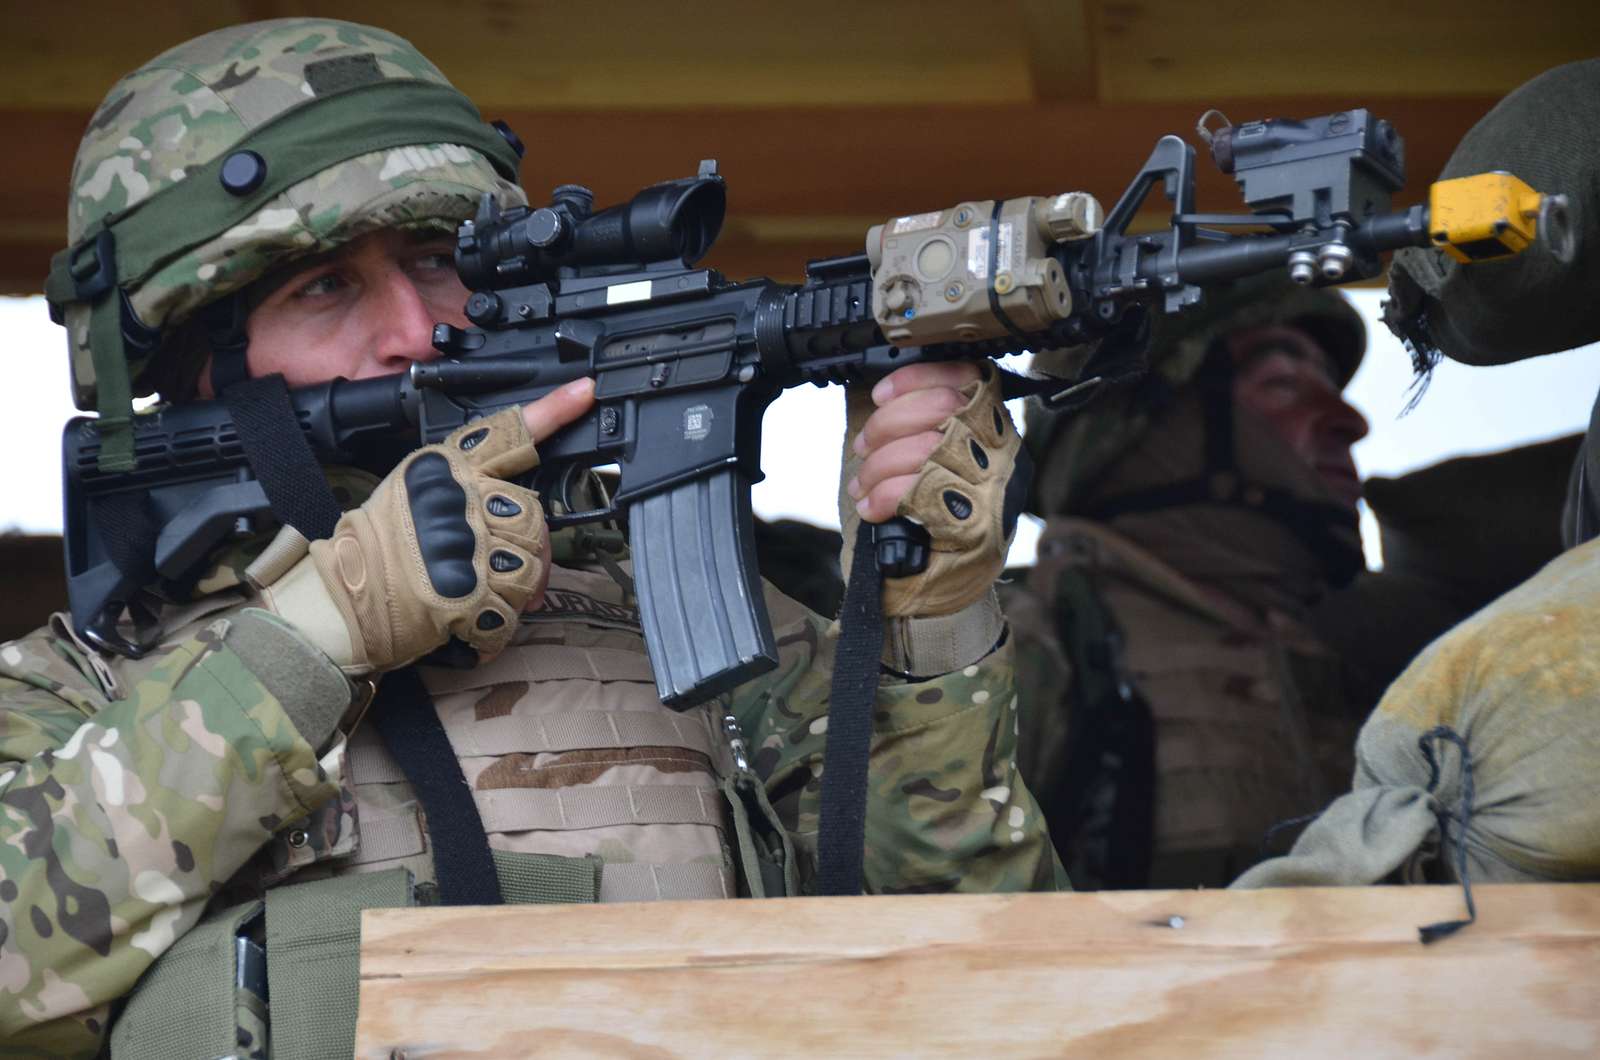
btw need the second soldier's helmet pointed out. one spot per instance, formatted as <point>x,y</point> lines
<point>229,156</point>
<point>1072,451</point>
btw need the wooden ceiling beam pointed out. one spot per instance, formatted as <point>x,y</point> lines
<point>1061,55</point>
<point>804,166</point>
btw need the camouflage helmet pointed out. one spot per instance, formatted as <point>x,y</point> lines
<point>227,157</point>
<point>1072,450</point>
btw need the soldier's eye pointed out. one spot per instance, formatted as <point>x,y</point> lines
<point>441,260</point>
<point>322,284</point>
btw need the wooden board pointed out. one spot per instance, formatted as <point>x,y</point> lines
<point>1311,972</point>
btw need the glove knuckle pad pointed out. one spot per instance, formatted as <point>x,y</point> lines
<point>445,539</point>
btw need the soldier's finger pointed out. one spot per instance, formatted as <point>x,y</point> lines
<point>513,513</point>
<point>514,573</point>
<point>903,456</point>
<point>908,414</point>
<point>880,503</point>
<point>558,408</point>
<point>952,374</point>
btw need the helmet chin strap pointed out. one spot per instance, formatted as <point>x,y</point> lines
<point>224,321</point>
<point>1316,523</point>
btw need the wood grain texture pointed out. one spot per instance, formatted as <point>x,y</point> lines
<point>1335,972</point>
<point>802,181</point>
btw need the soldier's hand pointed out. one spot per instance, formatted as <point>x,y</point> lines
<point>935,444</point>
<point>445,546</point>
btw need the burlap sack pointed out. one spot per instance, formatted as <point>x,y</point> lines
<point>1484,755</point>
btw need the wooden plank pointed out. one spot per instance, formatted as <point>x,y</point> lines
<point>812,165</point>
<point>1312,972</point>
<point>642,53</point>
<point>1357,48</point>
<point>639,53</point>
<point>1060,49</point>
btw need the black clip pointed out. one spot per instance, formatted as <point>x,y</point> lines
<point>93,278</point>
<point>903,547</point>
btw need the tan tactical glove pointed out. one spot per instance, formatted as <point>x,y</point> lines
<point>960,497</point>
<point>443,547</point>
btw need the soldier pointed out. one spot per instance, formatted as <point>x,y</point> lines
<point>185,833</point>
<point>1477,765</point>
<point>1176,700</point>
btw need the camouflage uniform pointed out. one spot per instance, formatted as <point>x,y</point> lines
<point>137,796</point>
<point>1176,700</point>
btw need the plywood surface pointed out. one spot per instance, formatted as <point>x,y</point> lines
<point>1200,974</point>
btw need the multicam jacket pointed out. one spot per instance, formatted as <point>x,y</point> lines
<point>136,793</point>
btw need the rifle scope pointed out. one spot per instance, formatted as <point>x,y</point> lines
<point>676,220</point>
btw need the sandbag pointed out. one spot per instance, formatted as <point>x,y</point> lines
<point>1482,757</point>
<point>1495,312</point>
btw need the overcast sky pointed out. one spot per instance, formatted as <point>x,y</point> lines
<point>1465,410</point>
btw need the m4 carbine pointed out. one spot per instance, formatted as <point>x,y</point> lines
<point>685,362</point>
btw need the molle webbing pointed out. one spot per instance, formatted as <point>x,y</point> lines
<point>535,734</point>
<point>547,878</point>
<point>542,809</point>
<point>589,664</point>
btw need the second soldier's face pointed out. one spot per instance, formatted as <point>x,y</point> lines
<point>367,309</point>
<point>1287,380</point>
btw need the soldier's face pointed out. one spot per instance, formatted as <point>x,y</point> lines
<point>367,309</point>
<point>1284,377</point>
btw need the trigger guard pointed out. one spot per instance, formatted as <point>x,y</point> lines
<point>556,492</point>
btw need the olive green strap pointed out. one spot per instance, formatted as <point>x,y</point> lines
<point>764,852</point>
<point>113,391</point>
<point>295,146</point>
<point>547,878</point>
<point>184,1004</point>
<point>314,960</point>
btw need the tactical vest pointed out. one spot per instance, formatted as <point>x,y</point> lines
<point>588,787</point>
<point>1247,723</point>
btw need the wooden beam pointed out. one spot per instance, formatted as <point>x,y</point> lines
<point>805,164</point>
<point>1312,972</point>
<point>1352,50</point>
<point>1060,49</point>
<point>639,53</point>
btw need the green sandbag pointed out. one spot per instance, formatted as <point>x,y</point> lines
<point>1495,312</point>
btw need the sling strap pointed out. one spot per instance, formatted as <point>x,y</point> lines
<point>462,863</point>
<point>841,838</point>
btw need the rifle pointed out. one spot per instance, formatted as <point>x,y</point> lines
<point>686,362</point>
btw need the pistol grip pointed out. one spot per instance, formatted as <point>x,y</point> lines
<point>700,600</point>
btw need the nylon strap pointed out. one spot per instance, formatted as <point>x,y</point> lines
<point>314,960</point>
<point>634,881</point>
<point>577,808</point>
<point>281,458</point>
<point>578,730</point>
<point>296,145</point>
<point>1110,747</point>
<point>547,878</point>
<point>113,393</point>
<point>404,716</point>
<point>841,839</point>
